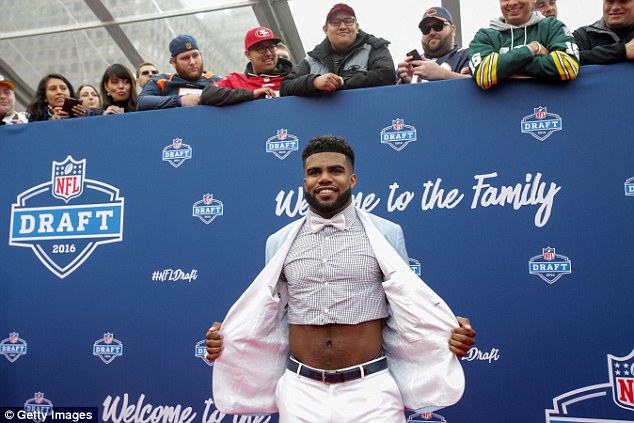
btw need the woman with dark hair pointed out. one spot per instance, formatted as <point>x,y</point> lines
<point>89,97</point>
<point>49,98</point>
<point>118,92</point>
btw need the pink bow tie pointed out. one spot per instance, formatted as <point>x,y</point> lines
<point>317,223</point>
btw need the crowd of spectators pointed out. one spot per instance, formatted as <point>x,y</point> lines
<point>527,40</point>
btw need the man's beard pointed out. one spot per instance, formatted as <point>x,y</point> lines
<point>444,46</point>
<point>332,208</point>
<point>183,73</point>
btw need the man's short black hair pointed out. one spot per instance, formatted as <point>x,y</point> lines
<point>328,144</point>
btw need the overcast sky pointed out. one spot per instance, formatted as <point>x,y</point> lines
<point>397,20</point>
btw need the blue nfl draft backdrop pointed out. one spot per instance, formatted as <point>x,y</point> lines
<point>127,236</point>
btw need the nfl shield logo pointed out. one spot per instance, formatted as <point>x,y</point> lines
<point>398,124</point>
<point>68,178</point>
<point>540,112</point>
<point>208,198</point>
<point>13,337</point>
<point>622,380</point>
<point>176,142</point>
<point>39,396</point>
<point>549,253</point>
<point>107,338</point>
<point>281,134</point>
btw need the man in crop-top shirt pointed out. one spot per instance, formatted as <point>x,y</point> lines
<point>343,275</point>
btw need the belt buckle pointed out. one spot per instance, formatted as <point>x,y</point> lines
<point>323,376</point>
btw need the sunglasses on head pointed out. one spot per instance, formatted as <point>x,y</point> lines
<point>147,72</point>
<point>438,26</point>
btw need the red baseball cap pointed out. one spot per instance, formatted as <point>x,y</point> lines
<point>340,7</point>
<point>257,35</point>
<point>6,82</point>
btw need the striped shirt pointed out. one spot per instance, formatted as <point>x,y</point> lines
<point>333,275</point>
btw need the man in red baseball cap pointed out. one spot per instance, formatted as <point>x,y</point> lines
<point>261,78</point>
<point>347,58</point>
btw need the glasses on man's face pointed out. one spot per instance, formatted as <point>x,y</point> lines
<point>438,26</point>
<point>346,21</point>
<point>147,72</point>
<point>260,49</point>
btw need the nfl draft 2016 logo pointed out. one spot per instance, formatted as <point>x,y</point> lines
<point>39,406</point>
<point>200,350</point>
<point>107,348</point>
<point>176,153</point>
<point>622,380</point>
<point>63,236</point>
<point>208,208</point>
<point>398,135</point>
<point>13,347</point>
<point>549,266</point>
<point>541,124</point>
<point>282,144</point>
<point>415,266</point>
<point>629,187</point>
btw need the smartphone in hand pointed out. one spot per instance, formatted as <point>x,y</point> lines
<point>415,55</point>
<point>69,103</point>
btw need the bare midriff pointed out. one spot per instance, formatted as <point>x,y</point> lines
<point>336,346</point>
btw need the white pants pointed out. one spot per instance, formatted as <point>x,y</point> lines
<point>374,398</point>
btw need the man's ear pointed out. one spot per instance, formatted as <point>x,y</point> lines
<point>325,29</point>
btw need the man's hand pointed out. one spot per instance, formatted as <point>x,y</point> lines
<point>328,82</point>
<point>430,70</point>
<point>264,92</point>
<point>538,49</point>
<point>629,49</point>
<point>214,342</point>
<point>190,100</point>
<point>462,338</point>
<point>405,70</point>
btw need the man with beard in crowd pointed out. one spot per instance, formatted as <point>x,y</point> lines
<point>442,58</point>
<point>180,89</point>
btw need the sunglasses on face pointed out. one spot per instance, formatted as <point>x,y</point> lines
<point>147,72</point>
<point>438,26</point>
